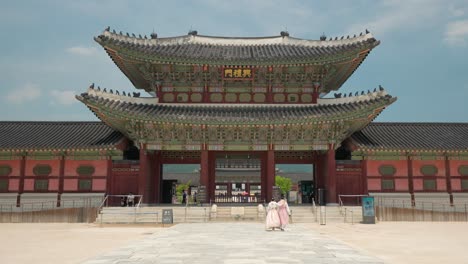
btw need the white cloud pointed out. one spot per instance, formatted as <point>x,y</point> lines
<point>63,97</point>
<point>26,93</point>
<point>456,33</point>
<point>456,11</point>
<point>401,14</point>
<point>82,51</point>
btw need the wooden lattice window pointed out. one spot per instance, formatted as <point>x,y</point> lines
<point>42,170</point>
<point>463,170</point>
<point>387,170</point>
<point>41,185</point>
<point>464,184</point>
<point>388,184</point>
<point>84,185</point>
<point>3,185</point>
<point>428,170</point>
<point>429,185</point>
<point>85,170</point>
<point>5,170</point>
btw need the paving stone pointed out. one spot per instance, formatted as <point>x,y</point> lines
<point>234,243</point>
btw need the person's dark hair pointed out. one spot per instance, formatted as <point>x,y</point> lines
<point>272,199</point>
<point>282,196</point>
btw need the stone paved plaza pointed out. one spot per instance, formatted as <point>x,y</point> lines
<point>234,243</point>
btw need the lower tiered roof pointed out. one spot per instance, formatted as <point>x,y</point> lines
<point>169,126</point>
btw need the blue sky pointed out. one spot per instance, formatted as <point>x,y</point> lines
<point>47,52</point>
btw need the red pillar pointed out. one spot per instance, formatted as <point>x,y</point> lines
<point>143,187</point>
<point>204,168</point>
<point>21,182</point>
<point>109,185</point>
<point>331,175</point>
<point>410,176</point>
<point>157,176</point>
<point>447,176</point>
<point>364,176</point>
<point>263,173</point>
<point>61,178</point>
<point>315,93</point>
<point>270,173</point>
<point>211,175</point>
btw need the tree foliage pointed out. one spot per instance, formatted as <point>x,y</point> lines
<point>181,187</point>
<point>283,183</point>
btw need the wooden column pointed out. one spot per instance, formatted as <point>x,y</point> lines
<point>109,185</point>
<point>270,174</point>
<point>211,175</point>
<point>61,179</point>
<point>263,173</point>
<point>143,174</point>
<point>364,189</point>
<point>315,93</point>
<point>319,173</point>
<point>447,175</point>
<point>410,176</point>
<point>204,169</point>
<point>21,180</point>
<point>157,176</point>
<point>331,175</point>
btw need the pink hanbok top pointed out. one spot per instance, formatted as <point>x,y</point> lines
<point>283,212</point>
<point>272,218</point>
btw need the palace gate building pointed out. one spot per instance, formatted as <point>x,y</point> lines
<point>225,102</point>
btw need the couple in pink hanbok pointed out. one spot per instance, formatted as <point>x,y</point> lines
<point>277,214</point>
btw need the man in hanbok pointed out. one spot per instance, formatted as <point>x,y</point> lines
<point>272,219</point>
<point>283,212</point>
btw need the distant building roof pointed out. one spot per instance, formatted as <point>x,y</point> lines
<point>413,136</point>
<point>18,135</point>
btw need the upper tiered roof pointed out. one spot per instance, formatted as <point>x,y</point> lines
<point>265,51</point>
<point>334,60</point>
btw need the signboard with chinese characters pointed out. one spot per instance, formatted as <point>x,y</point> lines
<point>237,73</point>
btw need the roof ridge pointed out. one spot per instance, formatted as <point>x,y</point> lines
<point>224,41</point>
<point>49,122</point>
<point>418,123</point>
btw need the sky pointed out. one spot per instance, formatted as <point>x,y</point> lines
<point>48,55</point>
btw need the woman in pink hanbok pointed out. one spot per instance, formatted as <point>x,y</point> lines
<point>272,219</point>
<point>283,212</point>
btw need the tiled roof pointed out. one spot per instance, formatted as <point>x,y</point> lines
<point>237,50</point>
<point>420,136</point>
<point>57,135</point>
<point>238,113</point>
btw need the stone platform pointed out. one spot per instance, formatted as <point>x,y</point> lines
<point>234,243</point>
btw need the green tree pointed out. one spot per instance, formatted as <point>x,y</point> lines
<point>180,189</point>
<point>283,183</point>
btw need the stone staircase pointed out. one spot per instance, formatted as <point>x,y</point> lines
<point>302,214</point>
<point>237,213</point>
<point>128,215</point>
<point>199,214</point>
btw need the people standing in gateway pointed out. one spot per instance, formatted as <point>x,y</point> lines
<point>272,219</point>
<point>130,199</point>
<point>184,197</point>
<point>283,212</point>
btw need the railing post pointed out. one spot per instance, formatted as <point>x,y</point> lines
<point>466,215</point>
